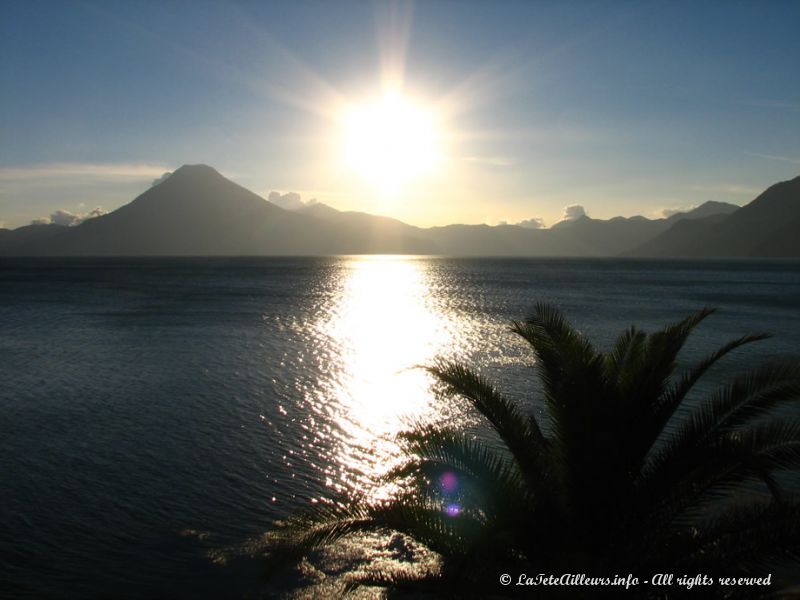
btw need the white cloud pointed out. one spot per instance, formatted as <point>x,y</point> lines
<point>574,211</point>
<point>532,223</point>
<point>665,213</point>
<point>289,200</point>
<point>97,211</point>
<point>66,218</point>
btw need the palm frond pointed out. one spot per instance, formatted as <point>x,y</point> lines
<point>404,581</point>
<point>748,397</point>
<point>745,535</point>
<point>427,522</point>
<point>727,466</point>
<point>647,378</point>
<point>574,383</point>
<point>625,358</point>
<point>492,476</point>
<point>522,436</point>
<point>560,352</point>
<point>678,390</point>
<point>315,528</point>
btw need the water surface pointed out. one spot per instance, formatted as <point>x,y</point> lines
<point>153,410</point>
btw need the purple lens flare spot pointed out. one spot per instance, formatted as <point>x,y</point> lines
<point>449,482</point>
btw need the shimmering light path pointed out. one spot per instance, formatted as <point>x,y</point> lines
<point>385,323</point>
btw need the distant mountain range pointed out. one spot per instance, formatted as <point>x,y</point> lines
<point>196,211</point>
<point>767,226</point>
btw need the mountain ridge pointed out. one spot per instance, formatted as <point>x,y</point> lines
<point>767,226</point>
<point>197,211</point>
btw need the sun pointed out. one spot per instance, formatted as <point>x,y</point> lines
<point>390,141</point>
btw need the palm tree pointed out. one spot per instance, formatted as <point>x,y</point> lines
<point>626,474</point>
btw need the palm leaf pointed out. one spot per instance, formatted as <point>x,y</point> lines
<point>494,477</point>
<point>522,436</point>
<point>752,395</point>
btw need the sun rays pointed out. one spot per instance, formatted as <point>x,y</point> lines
<point>388,136</point>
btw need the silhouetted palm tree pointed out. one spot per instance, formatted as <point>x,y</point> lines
<point>624,475</point>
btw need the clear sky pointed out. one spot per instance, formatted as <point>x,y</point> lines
<point>621,107</point>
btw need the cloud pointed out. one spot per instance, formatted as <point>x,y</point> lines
<point>665,213</point>
<point>289,200</point>
<point>789,159</point>
<point>63,217</point>
<point>532,223</point>
<point>97,211</point>
<point>161,179</point>
<point>574,211</point>
<point>115,171</point>
<point>68,219</point>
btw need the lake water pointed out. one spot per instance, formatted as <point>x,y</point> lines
<point>154,412</point>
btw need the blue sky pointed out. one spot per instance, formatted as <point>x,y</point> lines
<point>621,107</point>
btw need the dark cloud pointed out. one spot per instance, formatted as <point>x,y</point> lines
<point>574,211</point>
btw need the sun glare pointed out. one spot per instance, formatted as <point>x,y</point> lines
<point>390,141</point>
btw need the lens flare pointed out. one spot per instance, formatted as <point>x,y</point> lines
<point>448,482</point>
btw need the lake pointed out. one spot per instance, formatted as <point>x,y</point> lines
<point>157,413</point>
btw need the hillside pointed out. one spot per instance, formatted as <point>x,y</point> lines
<point>767,226</point>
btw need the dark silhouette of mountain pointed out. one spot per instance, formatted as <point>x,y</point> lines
<point>767,226</point>
<point>604,238</point>
<point>197,211</point>
<point>483,240</point>
<point>23,240</point>
<point>707,209</point>
<point>321,211</point>
<point>596,237</point>
<point>374,231</point>
<point>579,237</point>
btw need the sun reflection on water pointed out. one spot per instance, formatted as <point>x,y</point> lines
<point>385,323</point>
